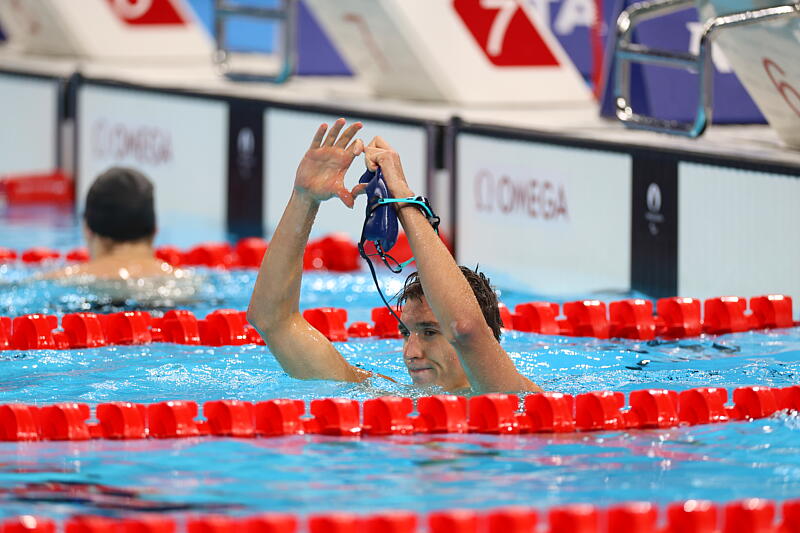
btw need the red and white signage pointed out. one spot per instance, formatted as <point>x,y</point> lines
<point>505,33</point>
<point>107,29</point>
<point>460,51</point>
<point>147,12</point>
<point>552,219</point>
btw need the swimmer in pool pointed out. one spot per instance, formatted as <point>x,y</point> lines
<point>451,312</point>
<point>119,226</point>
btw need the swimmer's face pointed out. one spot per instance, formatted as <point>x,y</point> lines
<point>429,357</point>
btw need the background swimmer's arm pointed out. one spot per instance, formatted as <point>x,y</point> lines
<point>301,350</point>
<point>449,294</point>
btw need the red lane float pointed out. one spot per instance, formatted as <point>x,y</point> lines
<point>19,423</point>
<point>580,518</point>
<point>390,522</point>
<point>250,252</point>
<point>536,317</point>
<point>695,516</point>
<point>84,330</point>
<point>588,318</point>
<point>171,255</point>
<point>129,327</point>
<point>147,524</point>
<point>772,311</point>
<point>388,416</point>
<point>28,524</point>
<point>33,332</point>
<point>511,520</point>
<point>680,316</point>
<point>453,521</point>
<point>386,326</point>
<point>90,524</point>
<point>122,420</point>
<point>487,414</point>
<point>727,314</point>
<point>5,333</point>
<point>633,517</point>
<point>276,418</point>
<point>78,255</point>
<point>7,255</point>
<point>329,321</point>
<point>180,327</point>
<point>692,516</point>
<point>632,319</point>
<point>224,327</point>
<point>39,254</point>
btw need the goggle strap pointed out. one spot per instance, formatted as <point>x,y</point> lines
<point>430,216</point>
<point>378,286</point>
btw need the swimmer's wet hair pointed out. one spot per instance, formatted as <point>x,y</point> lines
<point>481,287</point>
<point>120,205</point>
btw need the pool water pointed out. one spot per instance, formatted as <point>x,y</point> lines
<point>305,474</point>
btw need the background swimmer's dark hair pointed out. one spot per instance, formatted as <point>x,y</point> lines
<point>481,287</point>
<point>120,205</point>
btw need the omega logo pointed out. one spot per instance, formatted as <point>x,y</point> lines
<point>541,199</point>
<point>147,145</point>
<point>653,216</point>
<point>245,152</point>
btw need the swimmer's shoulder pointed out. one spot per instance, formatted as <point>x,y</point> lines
<point>108,270</point>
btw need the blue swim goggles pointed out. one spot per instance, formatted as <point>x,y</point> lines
<point>381,226</point>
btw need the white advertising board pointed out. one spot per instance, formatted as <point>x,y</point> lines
<point>29,124</point>
<point>180,142</point>
<point>288,135</point>
<point>737,232</point>
<point>556,220</point>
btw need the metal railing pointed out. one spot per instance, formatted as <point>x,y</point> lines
<point>627,53</point>
<point>284,14</point>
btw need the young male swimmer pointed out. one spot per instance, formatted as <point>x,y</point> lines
<point>451,312</point>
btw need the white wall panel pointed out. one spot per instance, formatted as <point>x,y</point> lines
<point>737,232</point>
<point>555,219</point>
<point>28,124</point>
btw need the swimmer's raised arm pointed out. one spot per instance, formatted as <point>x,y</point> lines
<point>301,350</point>
<point>487,365</point>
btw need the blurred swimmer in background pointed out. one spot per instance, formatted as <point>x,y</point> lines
<point>119,226</point>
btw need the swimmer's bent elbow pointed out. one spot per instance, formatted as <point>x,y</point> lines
<point>466,331</point>
<point>262,321</point>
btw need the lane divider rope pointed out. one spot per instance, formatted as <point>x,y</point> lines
<point>498,414</point>
<point>751,515</point>
<point>677,318</point>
